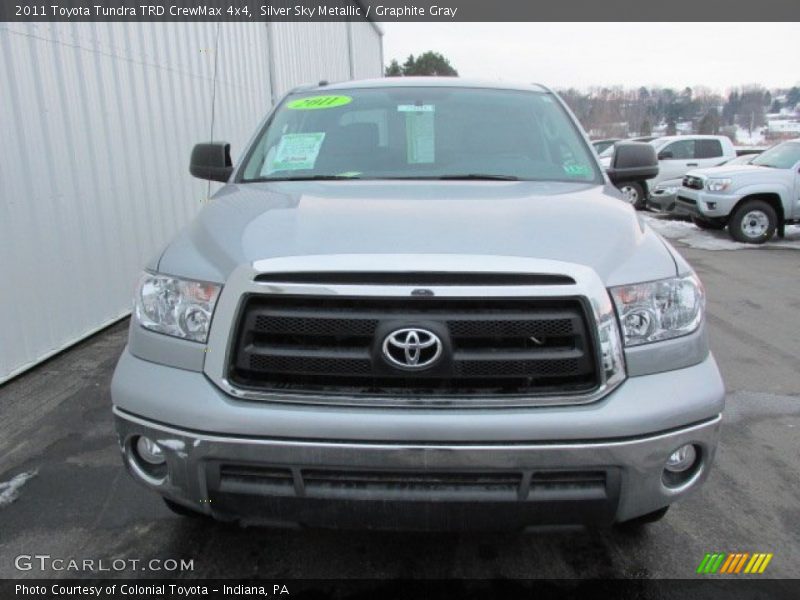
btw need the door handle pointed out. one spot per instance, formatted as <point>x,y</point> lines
<point>691,164</point>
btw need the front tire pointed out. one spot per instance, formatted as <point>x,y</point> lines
<point>712,224</point>
<point>633,194</point>
<point>754,222</point>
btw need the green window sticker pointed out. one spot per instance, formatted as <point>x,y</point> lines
<point>318,102</point>
<point>578,170</point>
<point>297,151</point>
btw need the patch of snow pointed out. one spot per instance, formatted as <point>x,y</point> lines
<point>743,136</point>
<point>9,490</point>
<point>690,234</point>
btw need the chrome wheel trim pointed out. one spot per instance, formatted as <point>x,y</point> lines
<point>755,224</point>
<point>629,194</point>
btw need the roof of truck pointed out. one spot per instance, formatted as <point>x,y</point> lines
<point>423,82</point>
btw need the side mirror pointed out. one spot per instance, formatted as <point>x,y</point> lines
<point>211,161</point>
<point>665,155</point>
<point>632,161</point>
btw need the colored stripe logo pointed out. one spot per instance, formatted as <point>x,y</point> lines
<point>734,563</point>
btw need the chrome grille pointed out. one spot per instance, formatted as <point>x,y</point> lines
<point>330,345</point>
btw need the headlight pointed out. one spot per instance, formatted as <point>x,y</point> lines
<point>659,310</point>
<point>718,185</point>
<point>178,307</point>
<point>612,356</point>
<point>667,190</point>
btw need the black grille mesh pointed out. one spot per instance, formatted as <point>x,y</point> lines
<point>492,346</point>
<point>692,182</point>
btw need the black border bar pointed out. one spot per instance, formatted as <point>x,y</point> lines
<point>32,11</point>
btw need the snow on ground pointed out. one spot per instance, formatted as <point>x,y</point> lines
<point>691,235</point>
<point>9,490</point>
<point>749,138</point>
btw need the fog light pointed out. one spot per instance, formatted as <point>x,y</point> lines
<point>682,459</point>
<point>711,205</point>
<point>149,451</point>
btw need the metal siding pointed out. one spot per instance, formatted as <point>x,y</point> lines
<point>309,52</point>
<point>98,122</point>
<point>367,50</point>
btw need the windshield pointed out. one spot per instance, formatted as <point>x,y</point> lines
<point>744,159</point>
<point>421,132</point>
<point>608,151</point>
<point>782,156</point>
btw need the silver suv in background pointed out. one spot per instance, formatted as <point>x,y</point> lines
<point>419,304</point>
<point>753,201</point>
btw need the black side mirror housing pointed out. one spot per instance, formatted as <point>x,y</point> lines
<point>211,161</point>
<point>632,161</point>
<point>665,155</point>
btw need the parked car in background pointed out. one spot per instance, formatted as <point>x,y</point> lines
<point>744,150</point>
<point>677,154</point>
<point>753,200</point>
<point>601,145</point>
<point>664,195</point>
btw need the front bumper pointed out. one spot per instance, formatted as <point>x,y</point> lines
<point>418,469</point>
<point>417,486</point>
<point>703,204</point>
<point>661,202</point>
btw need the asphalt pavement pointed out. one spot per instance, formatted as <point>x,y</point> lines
<point>56,427</point>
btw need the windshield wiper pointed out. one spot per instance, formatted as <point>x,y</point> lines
<point>307,178</point>
<point>485,176</point>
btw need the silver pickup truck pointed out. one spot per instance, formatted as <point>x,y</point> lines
<point>753,201</point>
<point>419,304</point>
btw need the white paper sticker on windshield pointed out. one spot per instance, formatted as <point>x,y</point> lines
<point>420,139</point>
<point>297,151</point>
<point>415,108</point>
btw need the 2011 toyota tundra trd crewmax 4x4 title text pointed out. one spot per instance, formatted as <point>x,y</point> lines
<point>419,304</point>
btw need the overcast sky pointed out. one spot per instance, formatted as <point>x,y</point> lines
<point>717,55</point>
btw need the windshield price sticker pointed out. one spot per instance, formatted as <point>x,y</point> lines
<point>420,140</point>
<point>415,108</point>
<point>319,102</point>
<point>297,151</point>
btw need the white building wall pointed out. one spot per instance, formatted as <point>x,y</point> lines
<point>309,53</point>
<point>97,124</point>
<point>367,50</point>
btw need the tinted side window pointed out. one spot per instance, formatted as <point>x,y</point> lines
<point>681,150</point>
<point>708,149</point>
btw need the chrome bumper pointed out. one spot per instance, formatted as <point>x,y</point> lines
<point>631,469</point>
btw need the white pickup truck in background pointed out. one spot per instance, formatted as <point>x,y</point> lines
<point>677,155</point>
<point>753,201</point>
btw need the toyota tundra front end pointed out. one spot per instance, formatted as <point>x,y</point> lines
<point>419,304</point>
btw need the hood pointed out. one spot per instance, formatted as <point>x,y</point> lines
<point>746,172</point>
<point>577,223</point>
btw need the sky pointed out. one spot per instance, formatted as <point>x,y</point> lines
<point>561,55</point>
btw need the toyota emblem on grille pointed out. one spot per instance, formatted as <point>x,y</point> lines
<point>412,348</point>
